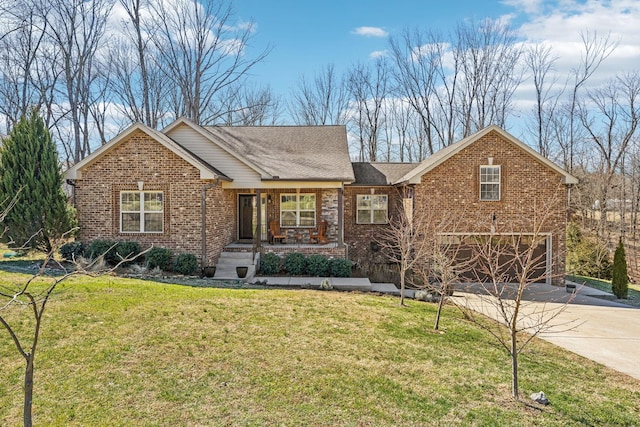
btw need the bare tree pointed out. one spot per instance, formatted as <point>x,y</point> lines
<point>596,50</point>
<point>508,261</point>
<point>321,101</point>
<point>397,241</point>
<point>488,58</point>
<point>540,62</point>
<point>27,79</point>
<point>457,84</point>
<point>611,125</point>
<point>442,264</point>
<point>33,295</point>
<point>76,29</point>
<point>369,91</point>
<point>399,119</point>
<point>138,83</point>
<point>202,52</point>
<point>246,105</point>
<point>427,76</point>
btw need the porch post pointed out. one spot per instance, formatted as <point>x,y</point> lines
<point>341,216</point>
<point>258,219</point>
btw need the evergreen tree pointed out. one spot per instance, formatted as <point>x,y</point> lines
<point>29,167</point>
<point>619,278</point>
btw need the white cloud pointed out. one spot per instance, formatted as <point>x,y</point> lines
<point>378,54</point>
<point>528,6</point>
<point>562,24</point>
<point>370,32</point>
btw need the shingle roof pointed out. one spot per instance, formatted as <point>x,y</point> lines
<point>291,152</point>
<point>206,170</point>
<point>380,173</point>
<point>439,157</point>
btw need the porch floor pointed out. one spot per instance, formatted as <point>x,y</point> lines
<point>241,246</point>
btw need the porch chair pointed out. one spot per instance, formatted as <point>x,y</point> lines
<point>275,233</point>
<point>320,233</point>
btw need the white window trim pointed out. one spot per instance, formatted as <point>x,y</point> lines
<point>141,212</point>
<point>490,183</point>
<point>371,210</point>
<point>298,210</point>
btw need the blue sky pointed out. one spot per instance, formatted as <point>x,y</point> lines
<point>307,35</point>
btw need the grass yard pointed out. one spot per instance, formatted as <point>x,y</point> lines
<point>633,295</point>
<point>118,352</point>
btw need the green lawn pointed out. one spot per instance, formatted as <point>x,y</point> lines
<point>126,352</point>
<point>633,295</point>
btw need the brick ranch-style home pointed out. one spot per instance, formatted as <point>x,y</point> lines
<point>208,190</point>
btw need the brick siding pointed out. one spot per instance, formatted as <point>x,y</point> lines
<point>452,191</point>
<point>362,239</point>
<point>140,158</point>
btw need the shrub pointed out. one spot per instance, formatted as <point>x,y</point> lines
<point>317,265</point>
<point>340,267</point>
<point>127,250</point>
<point>586,255</point>
<point>619,278</point>
<point>103,247</point>
<point>159,258</point>
<point>270,263</point>
<point>295,264</point>
<point>72,251</point>
<point>186,264</point>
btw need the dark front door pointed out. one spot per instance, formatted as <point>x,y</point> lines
<point>246,209</point>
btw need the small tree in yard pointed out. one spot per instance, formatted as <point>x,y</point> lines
<point>507,263</point>
<point>401,244</point>
<point>442,265</point>
<point>29,168</point>
<point>33,295</point>
<point>619,277</point>
<point>417,240</point>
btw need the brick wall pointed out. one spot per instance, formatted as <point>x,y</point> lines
<point>451,191</point>
<point>140,158</point>
<point>361,239</point>
<point>527,189</point>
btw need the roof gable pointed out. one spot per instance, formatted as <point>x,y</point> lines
<point>284,153</point>
<point>209,136</point>
<point>443,155</point>
<point>289,153</point>
<point>206,170</point>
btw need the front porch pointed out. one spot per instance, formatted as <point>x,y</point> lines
<point>242,254</point>
<point>330,250</point>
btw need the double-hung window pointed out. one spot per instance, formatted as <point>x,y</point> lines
<point>489,183</point>
<point>298,210</point>
<point>372,209</point>
<point>141,211</point>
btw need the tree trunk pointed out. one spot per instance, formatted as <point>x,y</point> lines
<point>443,293</point>
<point>28,391</point>
<point>402,278</point>
<point>514,365</point>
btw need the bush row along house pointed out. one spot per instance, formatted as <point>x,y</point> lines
<point>207,189</point>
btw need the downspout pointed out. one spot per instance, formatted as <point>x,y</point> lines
<point>203,204</point>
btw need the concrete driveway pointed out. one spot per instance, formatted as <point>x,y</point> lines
<point>598,329</point>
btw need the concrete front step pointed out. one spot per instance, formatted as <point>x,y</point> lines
<point>228,261</point>
<point>237,255</point>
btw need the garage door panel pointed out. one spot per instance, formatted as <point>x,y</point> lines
<point>508,257</point>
